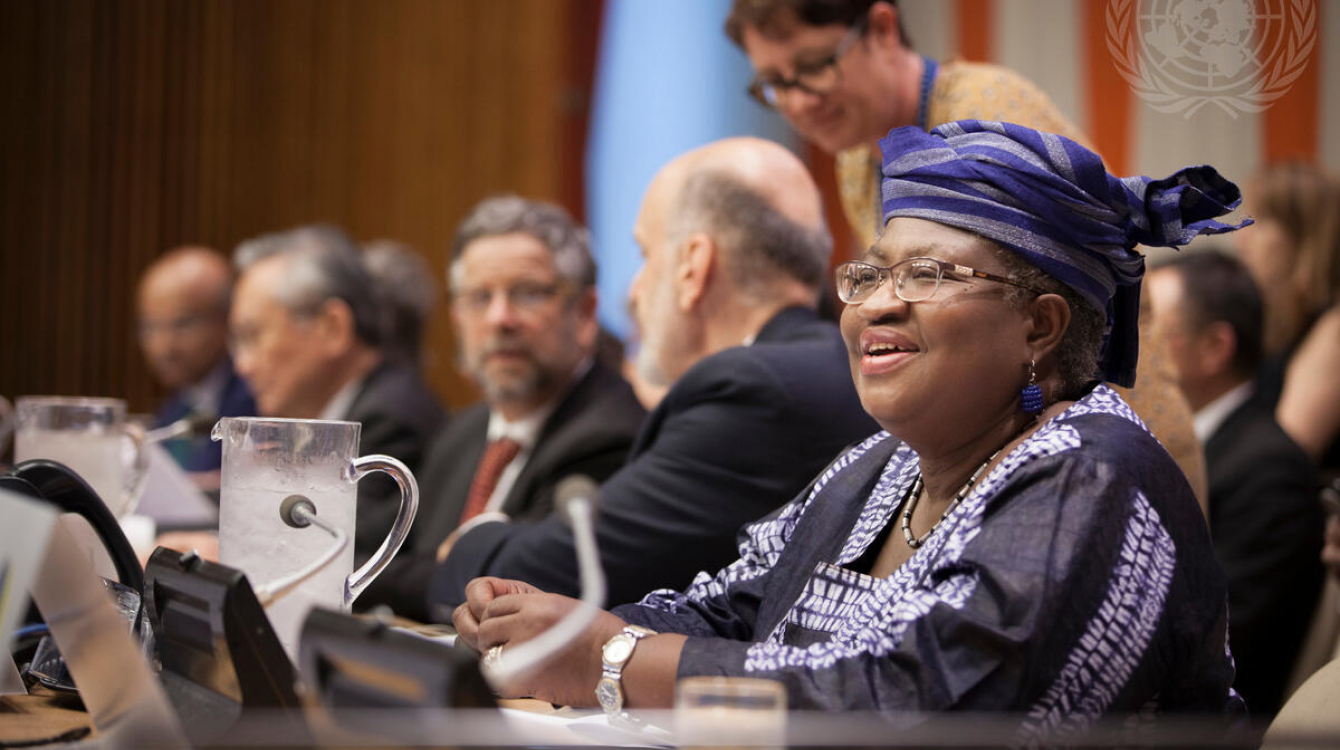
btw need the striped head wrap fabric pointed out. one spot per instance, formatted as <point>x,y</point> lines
<point>1053,202</point>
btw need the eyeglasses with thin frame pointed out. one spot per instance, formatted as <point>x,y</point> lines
<point>524,298</point>
<point>820,77</point>
<point>914,280</point>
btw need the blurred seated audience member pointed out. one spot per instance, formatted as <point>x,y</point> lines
<point>307,330</point>
<point>182,309</point>
<point>1330,553</point>
<point>844,72</point>
<point>1293,251</point>
<point>1017,540</point>
<point>6,430</point>
<point>734,252</point>
<point>523,303</point>
<point>410,291</point>
<point>1265,520</point>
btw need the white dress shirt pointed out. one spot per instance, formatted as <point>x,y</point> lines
<point>1213,414</point>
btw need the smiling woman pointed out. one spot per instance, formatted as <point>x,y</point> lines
<point>1015,539</point>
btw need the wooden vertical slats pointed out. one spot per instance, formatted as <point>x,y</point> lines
<point>130,127</point>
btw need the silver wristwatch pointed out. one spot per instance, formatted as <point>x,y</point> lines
<point>613,656</point>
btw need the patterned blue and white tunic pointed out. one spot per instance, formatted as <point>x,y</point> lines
<point>1077,579</point>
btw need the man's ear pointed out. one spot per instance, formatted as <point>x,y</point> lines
<point>1048,319</point>
<point>1216,344</point>
<point>588,326</point>
<point>695,269</point>
<point>334,324</point>
<point>883,25</point>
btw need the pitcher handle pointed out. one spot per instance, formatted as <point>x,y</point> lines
<point>409,506</point>
<point>137,473</point>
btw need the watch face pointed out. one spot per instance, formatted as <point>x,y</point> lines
<point>618,649</point>
<point>609,694</point>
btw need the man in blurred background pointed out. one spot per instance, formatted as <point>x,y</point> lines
<point>182,307</point>
<point>411,291</point>
<point>523,304</point>
<point>760,396</point>
<point>307,324</point>
<point>1265,520</point>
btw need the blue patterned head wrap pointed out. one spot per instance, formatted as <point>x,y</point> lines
<point>1052,201</point>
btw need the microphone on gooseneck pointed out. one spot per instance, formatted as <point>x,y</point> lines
<point>576,498</point>
<point>299,512</point>
<point>195,423</point>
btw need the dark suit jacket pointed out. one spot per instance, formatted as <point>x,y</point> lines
<point>737,436</point>
<point>199,452</point>
<point>589,432</point>
<point>399,416</point>
<point>1266,525</point>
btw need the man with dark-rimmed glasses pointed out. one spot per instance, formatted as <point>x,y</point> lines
<point>523,300</point>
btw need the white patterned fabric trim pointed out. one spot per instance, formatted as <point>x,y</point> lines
<point>1103,400</point>
<point>763,542</point>
<point>1116,638</point>
<point>886,497</point>
<point>879,616</point>
<point>830,597</point>
<point>877,638</point>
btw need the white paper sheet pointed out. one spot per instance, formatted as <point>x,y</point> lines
<point>171,498</point>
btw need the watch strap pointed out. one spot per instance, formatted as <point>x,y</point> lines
<point>609,691</point>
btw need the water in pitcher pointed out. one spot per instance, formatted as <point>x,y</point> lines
<point>254,539</point>
<point>95,457</point>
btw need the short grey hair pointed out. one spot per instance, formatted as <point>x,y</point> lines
<point>411,291</point>
<point>759,242</point>
<point>552,226</point>
<point>1081,345</point>
<point>323,264</point>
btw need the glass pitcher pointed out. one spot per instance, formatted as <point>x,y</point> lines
<point>268,461</point>
<point>91,436</point>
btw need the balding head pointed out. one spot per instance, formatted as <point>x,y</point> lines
<point>731,234</point>
<point>759,204</point>
<point>183,314</point>
<point>766,169</point>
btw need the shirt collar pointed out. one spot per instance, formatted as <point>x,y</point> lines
<point>1213,414</point>
<point>204,396</point>
<point>337,408</point>
<point>526,430</point>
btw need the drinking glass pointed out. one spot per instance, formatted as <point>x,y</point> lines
<point>730,711</point>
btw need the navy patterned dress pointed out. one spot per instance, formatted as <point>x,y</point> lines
<point>1076,580</point>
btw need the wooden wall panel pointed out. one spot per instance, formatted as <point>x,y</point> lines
<point>129,127</point>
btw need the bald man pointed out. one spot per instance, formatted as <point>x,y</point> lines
<point>760,397</point>
<point>183,330</point>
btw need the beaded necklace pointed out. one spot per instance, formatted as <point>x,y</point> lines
<point>915,495</point>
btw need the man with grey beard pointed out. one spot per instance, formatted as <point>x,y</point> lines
<point>523,304</point>
<point>759,395</point>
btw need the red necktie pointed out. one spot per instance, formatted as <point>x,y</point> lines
<point>497,456</point>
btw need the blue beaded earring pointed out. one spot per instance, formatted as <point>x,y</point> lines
<point>1031,395</point>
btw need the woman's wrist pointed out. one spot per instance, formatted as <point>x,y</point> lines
<point>649,676</point>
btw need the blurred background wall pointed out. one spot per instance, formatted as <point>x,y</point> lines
<point>131,126</point>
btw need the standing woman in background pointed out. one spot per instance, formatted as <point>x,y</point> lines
<point>1293,251</point>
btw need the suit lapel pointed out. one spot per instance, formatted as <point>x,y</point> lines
<point>577,399</point>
